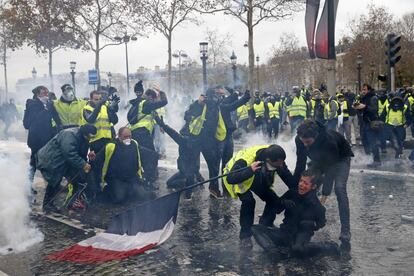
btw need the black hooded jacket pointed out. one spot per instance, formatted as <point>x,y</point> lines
<point>370,112</point>
<point>329,148</point>
<point>307,208</point>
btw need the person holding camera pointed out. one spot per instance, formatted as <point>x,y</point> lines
<point>371,126</point>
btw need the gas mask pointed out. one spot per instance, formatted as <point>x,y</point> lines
<point>43,99</point>
<point>270,168</point>
<point>126,142</point>
<point>68,94</point>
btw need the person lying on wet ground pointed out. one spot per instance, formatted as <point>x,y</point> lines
<point>122,170</point>
<point>264,162</point>
<point>304,214</point>
<point>187,167</point>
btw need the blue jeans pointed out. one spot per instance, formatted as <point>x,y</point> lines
<point>295,122</point>
<point>370,141</point>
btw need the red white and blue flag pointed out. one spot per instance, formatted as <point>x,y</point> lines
<point>130,233</point>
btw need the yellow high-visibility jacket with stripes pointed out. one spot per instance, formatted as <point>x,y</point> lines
<point>248,155</point>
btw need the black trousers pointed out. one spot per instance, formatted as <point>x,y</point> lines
<point>121,190</point>
<point>96,146</point>
<point>212,152</point>
<point>149,157</point>
<point>273,127</point>
<point>273,238</point>
<point>249,203</point>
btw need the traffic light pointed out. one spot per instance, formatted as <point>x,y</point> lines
<point>392,49</point>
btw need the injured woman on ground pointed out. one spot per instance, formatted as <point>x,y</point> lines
<point>304,215</point>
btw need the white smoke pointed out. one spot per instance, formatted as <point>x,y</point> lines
<point>17,232</point>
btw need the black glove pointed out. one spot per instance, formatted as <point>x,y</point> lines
<point>288,203</point>
<point>307,224</point>
<point>113,106</point>
<point>159,120</point>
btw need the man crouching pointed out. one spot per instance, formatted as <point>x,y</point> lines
<point>303,216</point>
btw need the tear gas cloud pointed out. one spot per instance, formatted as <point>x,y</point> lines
<point>16,230</point>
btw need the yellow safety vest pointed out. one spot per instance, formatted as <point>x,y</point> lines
<point>298,107</point>
<point>102,124</point>
<point>274,110</point>
<point>327,110</point>
<point>411,103</point>
<point>248,155</point>
<point>381,106</point>
<point>109,151</point>
<point>197,124</point>
<point>70,113</point>
<point>259,109</point>
<point>344,109</point>
<point>243,112</point>
<point>145,120</point>
<point>395,118</point>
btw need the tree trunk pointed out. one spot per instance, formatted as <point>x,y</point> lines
<point>50,69</point>
<point>6,89</point>
<point>169,38</point>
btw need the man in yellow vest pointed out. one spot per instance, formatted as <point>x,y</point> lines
<point>273,110</point>
<point>397,117</point>
<point>142,126</point>
<point>103,116</point>
<point>297,109</point>
<point>205,122</point>
<point>67,111</point>
<point>262,163</point>
<point>257,112</point>
<point>332,110</point>
<point>382,104</point>
<point>345,126</point>
<point>317,107</point>
<point>243,116</point>
<point>122,169</point>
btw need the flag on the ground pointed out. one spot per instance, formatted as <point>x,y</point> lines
<point>129,233</point>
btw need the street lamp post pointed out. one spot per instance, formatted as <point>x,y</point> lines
<point>109,78</point>
<point>359,67</point>
<point>126,38</point>
<point>34,73</point>
<point>179,54</point>
<point>257,68</point>
<point>233,59</point>
<point>72,72</point>
<point>204,57</point>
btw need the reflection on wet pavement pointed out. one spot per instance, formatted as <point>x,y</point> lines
<point>205,240</point>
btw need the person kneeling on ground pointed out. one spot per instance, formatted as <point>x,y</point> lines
<point>187,167</point>
<point>64,156</point>
<point>122,169</point>
<point>260,163</point>
<point>304,214</point>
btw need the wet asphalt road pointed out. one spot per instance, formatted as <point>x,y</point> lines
<point>205,239</point>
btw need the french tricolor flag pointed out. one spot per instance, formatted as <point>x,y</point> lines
<point>129,233</point>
